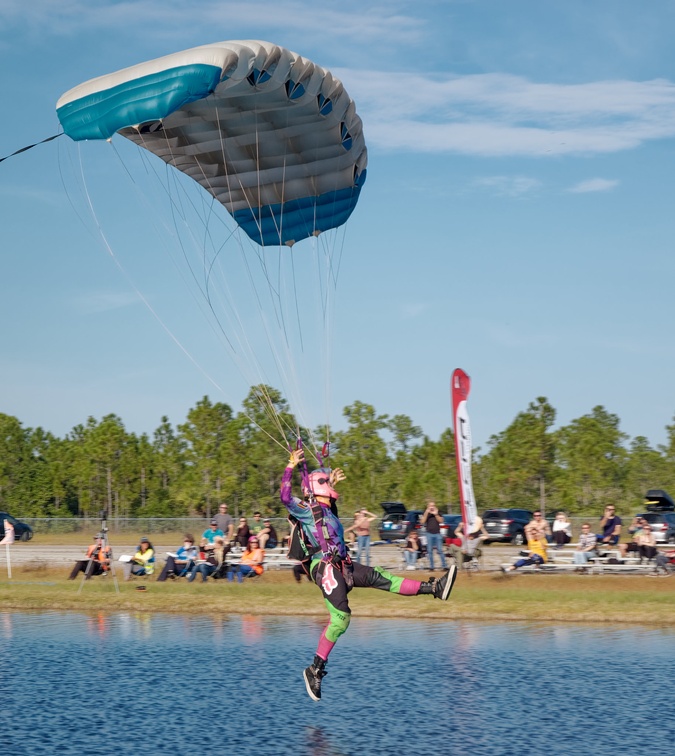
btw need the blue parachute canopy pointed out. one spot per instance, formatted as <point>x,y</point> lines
<point>271,135</point>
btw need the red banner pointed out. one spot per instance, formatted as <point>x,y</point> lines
<point>460,387</point>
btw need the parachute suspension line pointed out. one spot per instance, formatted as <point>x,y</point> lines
<point>271,411</point>
<point>140,295</point>
<point>174,206</point>
<point>175,210</point>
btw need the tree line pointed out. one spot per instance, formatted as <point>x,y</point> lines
<point>219,455</point>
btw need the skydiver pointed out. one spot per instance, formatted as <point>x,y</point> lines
<point>327,560</point>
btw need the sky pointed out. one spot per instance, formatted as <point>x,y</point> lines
<point>517,220</point>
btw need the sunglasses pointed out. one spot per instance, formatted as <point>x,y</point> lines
<point>322,481</point>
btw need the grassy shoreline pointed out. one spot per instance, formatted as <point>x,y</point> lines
<point>597,599</point>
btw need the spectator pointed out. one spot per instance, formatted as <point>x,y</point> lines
<point>243,533</point>
<point>213,559</point>
<point>212,531</point>
<point>634,529</point>
<point>361,528</point>
<point>250,563</point>
<point>646,543</point>
<point>665,561</point>
<point>257,525</point>
<point>97,561</point>
<point>143,561</point>
<point>538,527</point>
<point>536,545</point>
<point>562,530</point>
<point>610,523</point>
<point>412,550</point>
<point>182,562</point>
<point>586,547</point>
<point>464,551</point>
<point>432,519</point>
<point>225,522</point>
<point>268,535</point>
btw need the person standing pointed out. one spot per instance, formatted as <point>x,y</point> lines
<point>361,527</point>
<point>432,520</point>
<point>224,522</point>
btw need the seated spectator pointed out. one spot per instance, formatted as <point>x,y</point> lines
<point>268,535</point>
<point>665,561</point>
<point>143,561</point>
<point>412,550</point>
<point>250,563</point>
<point>97,561</point>
<point>634,530</point>
<point>212,531</point>
<point>243,533</point>
<point>536,546</point>
<point>561,530</point>
<point>257,525</point>
<point>610,523</point>
<point>646,543</point>
<point>586,547</point>
<point>538,525</point>
<point>182,562</point>
<point>211,563</point>
<point>462,551</point>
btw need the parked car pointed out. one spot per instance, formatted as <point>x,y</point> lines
<point>663,525</point>
<point>450,523</point>
<point>506,525</point>
<point>398,521</point>
<point>657,500</point>
<point>22,531</point>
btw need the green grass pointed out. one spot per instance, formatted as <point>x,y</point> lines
<point>542,598</point>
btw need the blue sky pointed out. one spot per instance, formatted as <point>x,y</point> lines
<point>517,220</point>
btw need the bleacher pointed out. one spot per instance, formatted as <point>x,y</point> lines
<point>608,560</point>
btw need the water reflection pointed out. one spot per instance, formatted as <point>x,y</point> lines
<point>110,683</point>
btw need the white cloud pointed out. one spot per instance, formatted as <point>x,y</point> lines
<point>104,301</point>
<point>594,185</point>
<point>171,18</point>
<point>501,114</point>
<point>509,186</point>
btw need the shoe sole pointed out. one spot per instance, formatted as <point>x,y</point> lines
<point>452,576</point>
<point>307,686</point>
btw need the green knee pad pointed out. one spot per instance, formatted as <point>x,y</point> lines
<point>339,622</point>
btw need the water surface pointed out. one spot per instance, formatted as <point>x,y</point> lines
<point>156,684</point>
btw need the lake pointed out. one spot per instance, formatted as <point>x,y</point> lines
<point>163,684</point>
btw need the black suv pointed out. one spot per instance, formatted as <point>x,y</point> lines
<point>506,525</point>
<point>398,521</point>
<point>657,500</point>
<point>22,531</point>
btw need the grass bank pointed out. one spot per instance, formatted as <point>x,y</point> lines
<point>611,599</point>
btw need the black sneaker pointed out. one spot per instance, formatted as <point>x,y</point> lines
<point>313,676</point>
<point>443,585</point>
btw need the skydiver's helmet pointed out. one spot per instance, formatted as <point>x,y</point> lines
<point>319,482</point>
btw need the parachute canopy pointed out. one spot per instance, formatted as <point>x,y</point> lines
<point>271,135</point>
